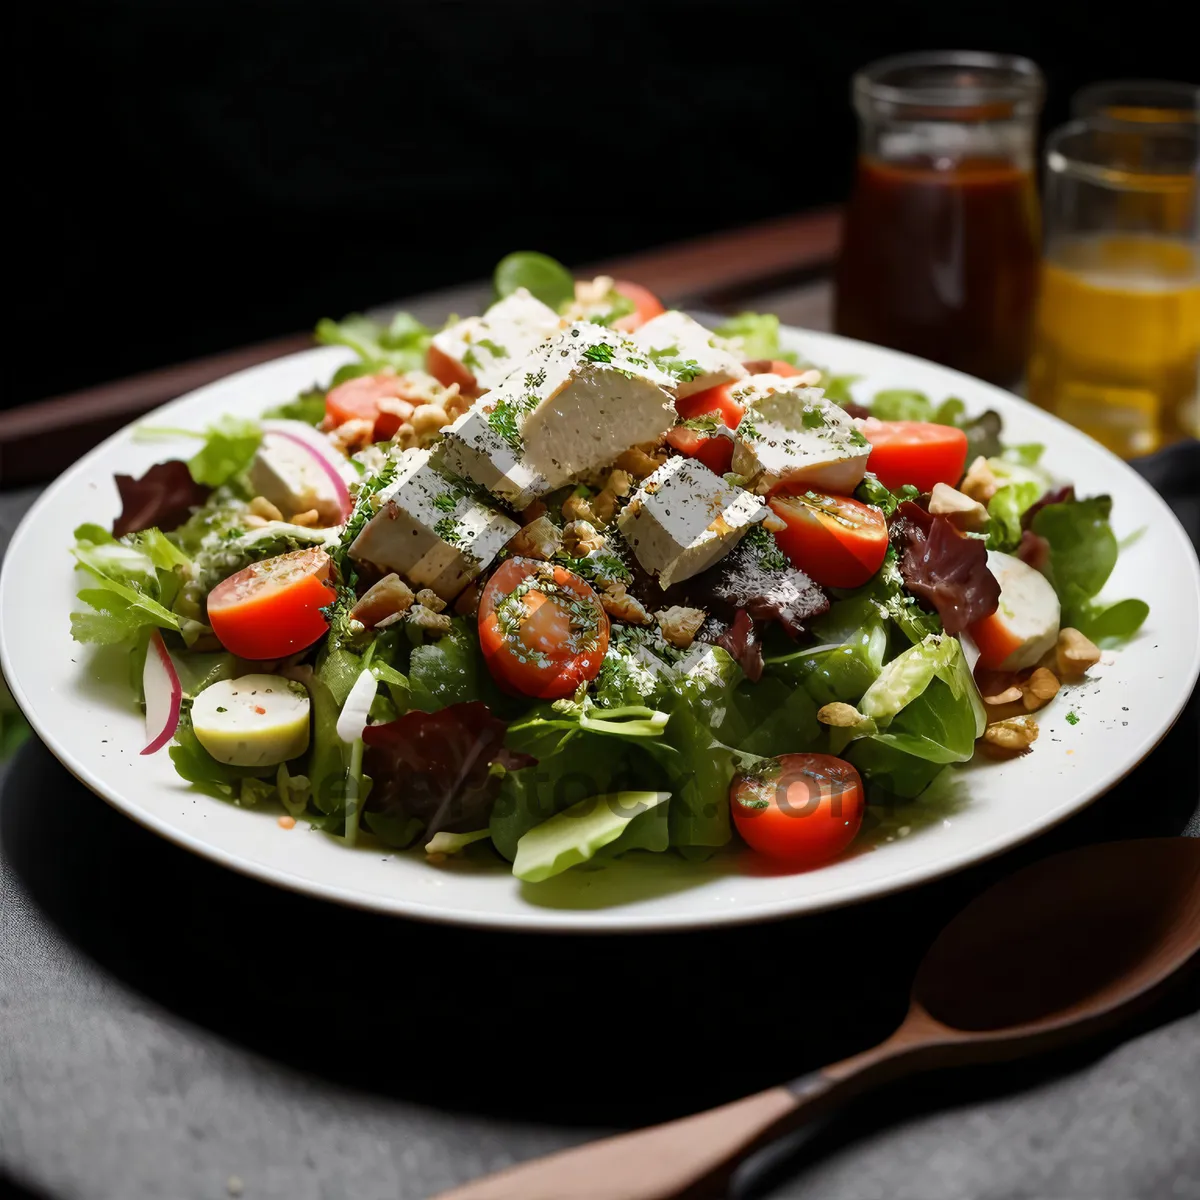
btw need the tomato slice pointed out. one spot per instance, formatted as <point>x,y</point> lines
<point>358,400</point>
<point>449,371</point>
<point>542,629</point>
<point>714,400</point>
<point>838,541</point>
<point>916,452</point>
<point>713,450</point>
<point>802,808</point>
<point>273,608</point>
<point>646,305</point>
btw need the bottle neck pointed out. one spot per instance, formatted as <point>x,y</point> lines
<point>945,144</point>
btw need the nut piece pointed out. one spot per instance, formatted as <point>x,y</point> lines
<point>260,506</point>
<point>455,402</point>
<point>680,625</point>
<point>577,507</point>
<point>842,716</point>
<point>638,464</point>
<point>309,518</point>
<point>773,523</point>
<point>541,538</point>
<point>431,622</point>
<point>1008,696</point>
<point>352,436</point>
<point>617,487</point>
<point>1075,653</point>
<point>254,521</point>
<point>396,407</point>
<point>1016,734</point>
<point>431,600</point>
<point>1039,689</point>
<point>581,538</point>
<point>980,482</point>
<point>389,596</point>
<point>621,606</point>
<point>960,510</point>
<point>428,418</point>
<point>406,436</point>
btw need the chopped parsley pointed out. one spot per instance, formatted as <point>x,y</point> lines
<point>363,510</point>
<point>814,418</point>
<point>766,549</point>
<point>601,352</point>
<point>1072,719</point>
<point>447,529</point>
<point>447,501</point>
<point>708,423</point>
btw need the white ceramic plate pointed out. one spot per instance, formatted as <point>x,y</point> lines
<point>79,703</point>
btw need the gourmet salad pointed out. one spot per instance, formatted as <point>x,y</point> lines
<point>580,576</point>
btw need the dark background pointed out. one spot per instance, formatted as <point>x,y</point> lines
<point>194,175</point>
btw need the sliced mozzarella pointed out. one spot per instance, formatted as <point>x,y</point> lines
<point>431,530</point>
<point>254,721</point>
<point>793,435</point>
<point>692,354</point>
<point>684,518</point>
<point>1025,625</point>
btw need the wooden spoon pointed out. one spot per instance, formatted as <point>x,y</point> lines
<point>1044,957</point>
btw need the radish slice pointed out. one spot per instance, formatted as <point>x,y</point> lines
<point>323,456</point>
<point>160,683</point>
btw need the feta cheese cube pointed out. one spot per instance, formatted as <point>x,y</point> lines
<point>687,351</point>
<point>475,449</point>
<point>431,530</point>
<point>488,347</point>
<point>580,400</point>
<point>290,477</point>
<point>794,435</point>
<point>684,518</point>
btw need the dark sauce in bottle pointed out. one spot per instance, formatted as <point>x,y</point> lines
<point>940,259</point>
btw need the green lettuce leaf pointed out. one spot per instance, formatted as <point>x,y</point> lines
<point>542,276</point>
<point>308,407</point>
<point>399,346</point>
<point>759,334</point>
<point>1006,508</point>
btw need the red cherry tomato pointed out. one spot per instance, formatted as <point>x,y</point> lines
<point>449,371</point>
<point>772,366</point>
<point>802,808</point>
<point>714,400</point>
<point>646,305</point>
<point>713,450</point>
<point>273,608</point>
<point>358,399</point>
<point>838,541</point>
<point>542,629</point>
<point>916,452</point>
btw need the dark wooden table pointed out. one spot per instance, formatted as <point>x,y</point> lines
<point>171,1029</point>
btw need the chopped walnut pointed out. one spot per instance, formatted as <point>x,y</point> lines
<point>1016,734</point>
<point>1075,653</point>
<point>406,436</point>
<point>309,519</point>
<point>680,625</point>
<point>394,406</point>
<point>637,463</point>
<point>980,482</point>
<point>621,606</point>
<point>352,436</point>
<point>260,506</point>
<point>1008,696</point>
<point>577,508</point>
<point>841,716</point>
<point>253,521</point>
<point>619,482</point>
<point>431,600</point>
<point>618,486</point>
<point>581,538</point>
<point>1039,689</point>
<point>541,538</point>
<point>958,508</point>
<point>435,623</point>
<point>391,595</point>
<point>429,418</point>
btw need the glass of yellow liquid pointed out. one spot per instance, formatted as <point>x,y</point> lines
<point>1117,337</point>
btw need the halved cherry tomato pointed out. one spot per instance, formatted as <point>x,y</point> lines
<point>718,400</point>
<point>358,400</point>
<point>273,608</point>
<point>646,305</point>
<point>836,540</point>
<point>802,808</point>
<point>449,371</point>
<point>771,366</point>
<point>542,629</point>
<point>715,451</point>
<point>916,452</point>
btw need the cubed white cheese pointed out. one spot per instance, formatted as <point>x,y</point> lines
<point>431,530</point>
<point>1024,626</point>
<point>684,518</point>
<point>794,435</point>
<point>576,403</point>
<point>475,449</point>
<point>693,355</point>
<point>491,345</point>
<point>290,477</point>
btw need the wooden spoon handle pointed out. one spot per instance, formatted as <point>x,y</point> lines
<point>694,1156</point>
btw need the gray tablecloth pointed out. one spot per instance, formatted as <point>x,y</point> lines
<point>171,1030</point>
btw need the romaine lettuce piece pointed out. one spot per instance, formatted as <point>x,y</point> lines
<point>574,835</point>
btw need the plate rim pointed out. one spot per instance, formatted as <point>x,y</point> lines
<point>588,921</point>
